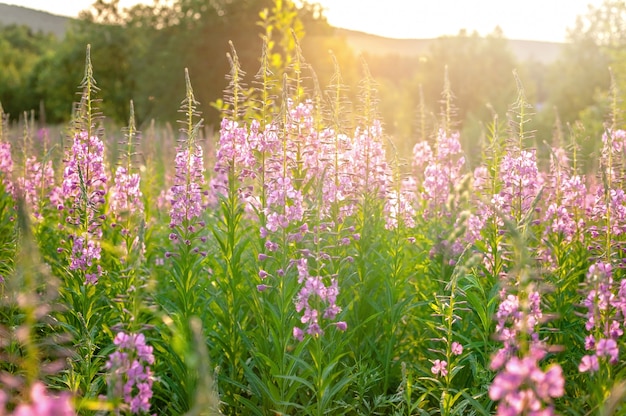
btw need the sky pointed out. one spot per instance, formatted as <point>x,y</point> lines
<point>545,20</point>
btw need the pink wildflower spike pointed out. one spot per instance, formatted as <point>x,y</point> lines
<point>6,167</point>
<point>83,189</point>
<point>312,295</point>
<point>126,196</point>
<point>38,180</point>
<point>186,193</point>
<point>44,404</point>
<point>523,387</point>
<point>130,375</point>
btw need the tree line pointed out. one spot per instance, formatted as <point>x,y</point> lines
<point>140,54</point>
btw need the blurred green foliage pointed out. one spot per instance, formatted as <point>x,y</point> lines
<point>140,54</point>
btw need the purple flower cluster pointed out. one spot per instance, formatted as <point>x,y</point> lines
<point>125,195</point>
<point>440,367</point>
<point>567,199</point>
<point>130,376</point>
<point>614,141</point>
<point>514,321</point>
<point>422,156</point>
<point>316,301</point>
<point>523,388</point>
<point>398,208</point>
<point>370,168</point>
<point>235,157</point>
<point>442,171</point>
<point>606,308</point>
<point>83,190</point>
<point>337,173</point>
<point>521,182</point>
<point>186,192</point>
<point>235,149</point>
<point>85,256</point>
<point>609,207</point>
<point>42,403</point>
<point>291,170</point>
<point>6,166</point>
<point>38,182</point>
<point>84,176</point>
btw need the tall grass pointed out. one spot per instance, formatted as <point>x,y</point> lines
<point>295,263</point>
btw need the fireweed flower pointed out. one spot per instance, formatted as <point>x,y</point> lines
<point>125,195</point>
<point>83,189</point>
<point>235,159</point>
<point>566,199</point>
<point>316,301</point>
<point>37,183</point>
<point>605,306</point>
<point>84,177</point>
<point>339,189</point>
<point>442,172</point>
<point>234,149</point>
<point>370,168</point>
<point>440,367</point>
<point>85,255</point>
<point>614,140</point>
<point>611,207</point>
<point>285,203</point>
<point>399,208</point>
<point>42,403</point>
<point>512,322</point>
<point>521,182</point>
<point>186,192</point>
<point>130,376</point>
<point>589,363</point>
<point>6,166</point>
<point>422,156</point>
<point>522,387</point>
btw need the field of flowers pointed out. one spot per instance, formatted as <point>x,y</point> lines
<point>296,265</point>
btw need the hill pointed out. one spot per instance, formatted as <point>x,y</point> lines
<point>524,50</point>
<point>37,20</point>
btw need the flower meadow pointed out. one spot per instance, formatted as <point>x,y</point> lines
<point>293,263</point>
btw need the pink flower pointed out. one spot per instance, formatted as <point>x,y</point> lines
<point>456,348</point>
<point>298,333</point>
<point>524,388</point>
<point>44,404</point>
<point>126,196</point>
<point>589,363</point>
<point>440,368</point>
<point>38,180</point>
<point>609,348</point>
<point>315,296</point>
<point>341,325</point>
<point>130,375</point>
<point>6,166</point>
<point>186,199</point>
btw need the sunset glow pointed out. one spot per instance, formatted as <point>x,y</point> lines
<point>531,19</point>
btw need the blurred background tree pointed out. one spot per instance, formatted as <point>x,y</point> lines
<point>140,53</point>
<point>20,52</point>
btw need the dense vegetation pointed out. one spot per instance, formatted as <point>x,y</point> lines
<point>297,262</point>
